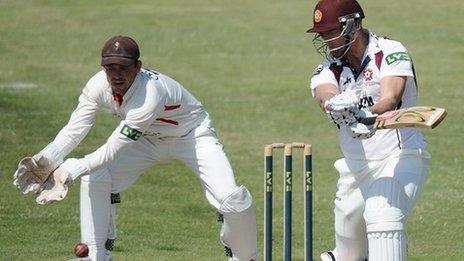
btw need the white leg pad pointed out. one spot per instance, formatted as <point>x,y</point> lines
<point>238,231</point>
<point>386,206</point>
<point>386,211</point>
<point>95,208</point>
<point>388,246</point>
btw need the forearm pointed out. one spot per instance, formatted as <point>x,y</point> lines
<point>391,91</point>
<point>384,105</point>
<point>71,135</point>
<point>78,126</point>
<point>322,98</point>
<point>324,93</point>
<point>122,138</point>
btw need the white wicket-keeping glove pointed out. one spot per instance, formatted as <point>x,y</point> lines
<point>32,172</point>
<point>360,130</point>
<point>55,188</point>
<point>57,185</point>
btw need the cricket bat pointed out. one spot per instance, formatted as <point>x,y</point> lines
<point>424,117</point>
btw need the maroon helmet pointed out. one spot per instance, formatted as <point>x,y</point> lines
<point>329,14</point>
<point>333,14</point>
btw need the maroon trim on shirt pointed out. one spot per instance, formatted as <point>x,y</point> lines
<point>336,70</point>
<point>168,121</point>
<point>378,59</point>
<point>171,107</point>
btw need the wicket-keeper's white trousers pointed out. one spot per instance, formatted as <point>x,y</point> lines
<point>373,202</point>
<point>200,151</point>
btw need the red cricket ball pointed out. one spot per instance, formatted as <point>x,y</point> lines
<point>81,250</point>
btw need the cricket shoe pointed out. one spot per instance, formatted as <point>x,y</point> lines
<point>329,256</point>
<point>109,246</point>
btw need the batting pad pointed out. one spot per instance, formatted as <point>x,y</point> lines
<point>386,206</point>
<point>388,246</point>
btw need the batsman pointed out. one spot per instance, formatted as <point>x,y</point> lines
<point>383,171</point>
<point>159,121</point>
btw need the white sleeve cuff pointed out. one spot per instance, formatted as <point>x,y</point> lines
<point>53,154</point>
<point>75,167</point>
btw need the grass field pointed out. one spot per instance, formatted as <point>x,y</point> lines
<point>248,62</point>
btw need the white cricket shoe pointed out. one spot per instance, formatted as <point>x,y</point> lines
<point>329,256</point>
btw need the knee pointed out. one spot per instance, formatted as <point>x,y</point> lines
<point>238,201</point>
<point>101,175</point>
<point>386,206</point>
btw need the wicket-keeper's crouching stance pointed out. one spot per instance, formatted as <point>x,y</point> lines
<point>383,171</point>
<point>159,121</point>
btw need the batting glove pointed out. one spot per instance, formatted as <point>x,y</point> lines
<point>345,101</point>
<point>360,131</point>
<point>341,117</point>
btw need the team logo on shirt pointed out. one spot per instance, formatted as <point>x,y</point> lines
<point>368,75</point>
<point>317,16</point>
<point>131,133</point>
<point>398,56</point>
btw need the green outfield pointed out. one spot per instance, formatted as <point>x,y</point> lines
<point>249,63</point>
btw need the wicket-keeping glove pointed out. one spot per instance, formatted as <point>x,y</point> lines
<point>57,185</point>
<point>31,173</point>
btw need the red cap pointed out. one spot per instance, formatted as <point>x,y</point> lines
<point>120,50</point>
<point>327,12</point>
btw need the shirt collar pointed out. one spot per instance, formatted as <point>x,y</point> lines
<point>373,46</point>
<point>119,100</point>
<point>133,87</point>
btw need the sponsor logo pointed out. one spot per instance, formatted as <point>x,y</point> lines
<point>131,133</point>
<point>399,56</point>
<point>317,16</point>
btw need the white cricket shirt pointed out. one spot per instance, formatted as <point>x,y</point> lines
<point>155,105</point>
<point>382,57</point>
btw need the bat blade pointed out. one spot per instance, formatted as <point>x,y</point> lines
<point>424,117</point>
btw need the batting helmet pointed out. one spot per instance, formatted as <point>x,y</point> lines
<point>330,14</point>
<point>333,14</point>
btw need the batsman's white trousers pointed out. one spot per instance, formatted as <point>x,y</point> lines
<point>200,151</point>
<point>375,196</point>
